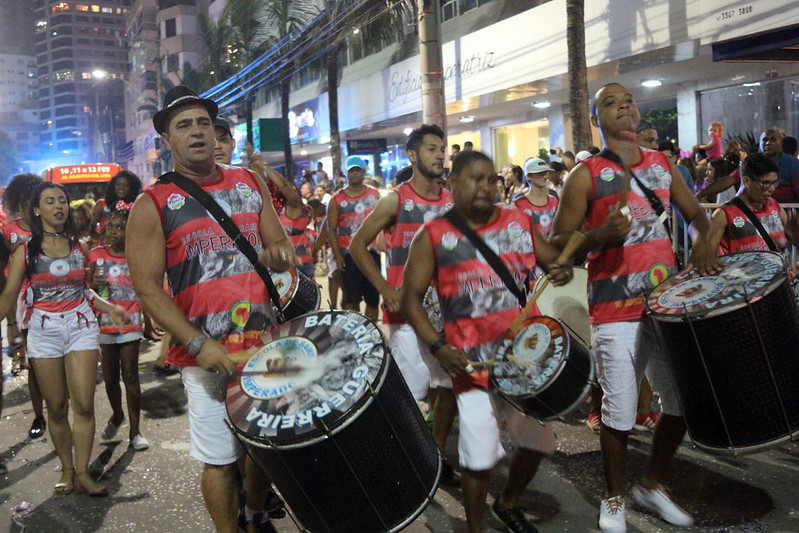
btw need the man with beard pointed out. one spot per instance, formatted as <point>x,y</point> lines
<point>629,254</point>
<point>346,213</point>
<point>399,215</point>
<point>209,318</point>
<point>477,308</point>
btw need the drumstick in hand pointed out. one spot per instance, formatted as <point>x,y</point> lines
<point>244,355</point>
<point>575,241</point>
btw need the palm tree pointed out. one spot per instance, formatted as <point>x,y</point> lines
<point>578,82</point>
<point>218,37</point>
<point>249,38</point>
<point>378,24</point>
<point>281,19</point>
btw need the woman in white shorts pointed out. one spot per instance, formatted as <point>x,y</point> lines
<point>63,334</point>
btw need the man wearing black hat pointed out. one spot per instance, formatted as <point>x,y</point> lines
<point>218,304</point>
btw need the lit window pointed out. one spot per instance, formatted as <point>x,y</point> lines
<point>95,9</point>
<point>107,9</point>
<point>59,7</point>
<point>82,7</point>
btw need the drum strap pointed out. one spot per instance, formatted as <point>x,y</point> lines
<point>737,202</point>
<point>652,198</point>
<point>488,254</point>
<point>241,242</point>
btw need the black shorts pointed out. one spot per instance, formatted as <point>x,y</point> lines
<point>356,286</point>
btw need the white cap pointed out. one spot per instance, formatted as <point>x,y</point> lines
<point>535,165</point>
<point>582,155</point>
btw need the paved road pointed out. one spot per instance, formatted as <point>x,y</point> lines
<point>157,490</point>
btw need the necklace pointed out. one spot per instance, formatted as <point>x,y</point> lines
<point>56,234</point>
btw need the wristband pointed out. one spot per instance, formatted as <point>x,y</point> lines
<point>11,323</point>
<point>436,346</point>
<point>195,344</point>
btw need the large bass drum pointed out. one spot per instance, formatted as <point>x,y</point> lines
<point>325,412</point>
<point>733,344</point>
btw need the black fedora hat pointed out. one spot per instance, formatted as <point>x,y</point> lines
<point>177,97</point>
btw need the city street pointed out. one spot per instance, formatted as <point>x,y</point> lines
<point>158,490</point>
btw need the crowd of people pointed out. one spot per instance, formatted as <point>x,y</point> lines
<point>85,282</point>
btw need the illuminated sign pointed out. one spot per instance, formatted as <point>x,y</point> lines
<point>82,173</point>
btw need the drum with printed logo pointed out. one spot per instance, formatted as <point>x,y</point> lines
<point>323,409</point>
<point>733,341</point>
<point>542,370</point>
<point>299,294</point>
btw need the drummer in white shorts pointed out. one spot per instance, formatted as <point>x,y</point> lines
<point>620,377</point>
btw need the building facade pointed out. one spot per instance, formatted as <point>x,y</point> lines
<point>505,69</point>
<point>19,110</point>
<point>82,68</point>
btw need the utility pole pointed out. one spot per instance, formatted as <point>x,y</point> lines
<point>434,107</point>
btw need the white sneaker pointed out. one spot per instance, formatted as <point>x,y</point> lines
<point>611,515</point>
<point>658,502</point>
<point>139,443</point>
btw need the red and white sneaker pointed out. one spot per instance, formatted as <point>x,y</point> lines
<point>646,422</point>
<point>594,421</point>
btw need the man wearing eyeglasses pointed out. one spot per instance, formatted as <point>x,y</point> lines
<point>734,227</point>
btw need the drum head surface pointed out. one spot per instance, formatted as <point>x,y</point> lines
<point>527,362</point>
<point>286,285</point>
<point>568,303</point>
<point>747,276</point>
<point>310,373</point>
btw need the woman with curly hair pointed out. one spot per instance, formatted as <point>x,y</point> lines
<point>124,187</point>
<point>63,344</point>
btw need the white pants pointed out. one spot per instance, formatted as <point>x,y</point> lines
<point>420,369</point>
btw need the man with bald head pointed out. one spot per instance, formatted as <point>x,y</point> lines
<point>629,253</point>
<point>787,166</point>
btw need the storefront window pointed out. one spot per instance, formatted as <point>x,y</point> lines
<point>513,145</point>
<point>752,108</point>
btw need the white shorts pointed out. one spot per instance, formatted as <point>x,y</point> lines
<point>625,351</point>
<point>332,266</point>
<point>212,442</point>
<point>481,414</point>
<point>53,335</point>
<point>417,365</point>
